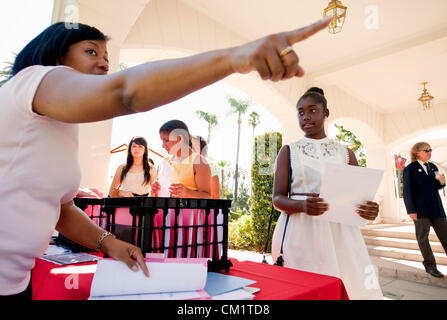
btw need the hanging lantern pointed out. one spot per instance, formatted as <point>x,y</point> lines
<point>425,99</point>
<point>338,11</point>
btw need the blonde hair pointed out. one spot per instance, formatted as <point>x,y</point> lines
<point>416,148</point>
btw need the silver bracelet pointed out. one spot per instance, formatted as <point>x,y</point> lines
<point>101,239</point>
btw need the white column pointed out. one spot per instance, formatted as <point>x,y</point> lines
<point>95,142</point>
<point>394,210</point>
<point>377,158</point>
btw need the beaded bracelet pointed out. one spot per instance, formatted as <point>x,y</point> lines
<point>101,239</point>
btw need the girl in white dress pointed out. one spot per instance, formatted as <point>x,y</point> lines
<point>312,244</point>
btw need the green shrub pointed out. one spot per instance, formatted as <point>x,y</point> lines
<point>249,231</point>
<point>265,151</point>
<point>241,233</point>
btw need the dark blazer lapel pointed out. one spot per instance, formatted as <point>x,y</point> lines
<point>421,171</point>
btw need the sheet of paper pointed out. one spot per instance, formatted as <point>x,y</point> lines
<point>188,295</point>
<point>165,177</point>
<point>218,283</point>
<point>239,294</point>
<point>114,278</point>
<point>344,188</point>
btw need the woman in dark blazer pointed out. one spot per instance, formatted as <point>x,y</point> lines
<point>422,182</point>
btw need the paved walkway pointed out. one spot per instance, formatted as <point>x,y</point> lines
<point>393,289</point>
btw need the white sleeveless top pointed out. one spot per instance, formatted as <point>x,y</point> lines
<point>134,182</point>
<point>320,246</point>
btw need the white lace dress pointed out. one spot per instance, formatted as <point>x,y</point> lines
<point>319,246</point>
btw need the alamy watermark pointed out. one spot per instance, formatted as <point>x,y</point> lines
<point>72,282</point>
<point>371,280</point>
<point>372,17</point>
<point>71,16</point>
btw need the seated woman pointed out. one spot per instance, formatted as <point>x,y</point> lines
<point>200,145</point>
<point>134,178</point>
<point>191,177</point>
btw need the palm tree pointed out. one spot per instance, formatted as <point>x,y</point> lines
<point>211,119</point>
<point>5,73</point>
<point>238,107</point>
<point>254,120</point>
<point>223,165</point>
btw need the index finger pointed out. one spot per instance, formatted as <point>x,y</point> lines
<point>143,265</point>
<point>305,32</point>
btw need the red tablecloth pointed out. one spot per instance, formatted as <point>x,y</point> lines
<point>54,282</point>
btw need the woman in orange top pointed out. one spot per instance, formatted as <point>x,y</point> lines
<point>192,174</point>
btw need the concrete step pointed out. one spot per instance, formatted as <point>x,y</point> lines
<point>394,251</point>
<point>408,271</point>
<point>395,234</point>
<point>400,243</point>
<point>404,254</point>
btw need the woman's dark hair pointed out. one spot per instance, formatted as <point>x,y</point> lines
<point>317,94</point>
<point>52,44</point>
<point>146,166</point>
<point>203,145</point>
<point>180,127</point>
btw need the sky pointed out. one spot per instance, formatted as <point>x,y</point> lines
<point>21,21</point>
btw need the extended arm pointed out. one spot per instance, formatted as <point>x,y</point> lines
<point>281,200</point>
<point>70,96</point>
<point>114,191</point>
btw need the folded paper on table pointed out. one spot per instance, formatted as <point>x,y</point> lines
<point>344,188</point>
<point>218,283</point>
<point>114,280</point>
<point>187,295</point>
<point>239,294</point>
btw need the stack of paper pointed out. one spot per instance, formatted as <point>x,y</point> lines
<point>113,280</point>
<point>170,279</point>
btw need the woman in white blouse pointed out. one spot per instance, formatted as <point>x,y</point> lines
<point>134,178</point>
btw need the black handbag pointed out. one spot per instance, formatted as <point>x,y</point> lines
<point>280,260</point>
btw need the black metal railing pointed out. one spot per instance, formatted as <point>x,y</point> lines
<point>175,227</point>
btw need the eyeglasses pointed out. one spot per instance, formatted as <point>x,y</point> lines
<point>427,150</point>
